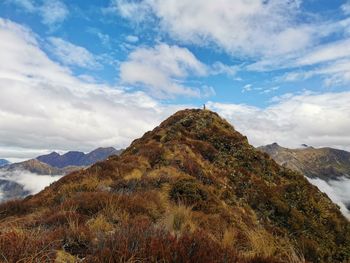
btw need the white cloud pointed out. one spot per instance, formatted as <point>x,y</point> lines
<point>239,27</point>
<point>331,61</point>
<point>27,5</point>
<point>17,154</point>
<point>346,8</point>
<point>132,39</point>
<point>269,32</point>
<point>314,119</point>
<point>220,68</point>
<point>130,9</point>
<point>269,90</point>
<point>33,183</point>
<point>325,53</point>
<point>43,106</point>
<point>162,69</point>
<point>52,12</point>
<point>247,88</point>
<point>320,53</point>
<point>104,38</point>
<point>335,73</point>
<point>70,54</point>
<point>337,190</point>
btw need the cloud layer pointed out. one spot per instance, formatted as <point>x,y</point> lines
<point>273,35</point>
<point>313,119</point>
<point>42,105</point>
<point>72,55</point>
<point>31,182</point>
<point>162,69</point>
<point>239,27</point>
<point>337,191</point>
<point>52,12</point>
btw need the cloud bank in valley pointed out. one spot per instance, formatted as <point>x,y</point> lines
<point>337,190</point>
<point>33,183</point>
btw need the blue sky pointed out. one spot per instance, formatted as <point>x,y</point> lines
<point>278,70</point>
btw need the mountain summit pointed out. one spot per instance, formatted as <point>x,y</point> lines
<point>191,190</point>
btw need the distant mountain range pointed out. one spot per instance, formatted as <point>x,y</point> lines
<point>74,158</point>
<point>324,163</point>
<point>3,162</point>
<point>52,164</point>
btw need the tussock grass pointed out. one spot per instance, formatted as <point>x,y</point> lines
<point>192,190</point>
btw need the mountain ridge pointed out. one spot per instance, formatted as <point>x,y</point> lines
<point>76,158</point>
<point>199,191</point>
<point>35,166</point>
<point>325,163</point>
<point>10,189</point>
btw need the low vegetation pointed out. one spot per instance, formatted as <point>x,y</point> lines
<point>192,190</point>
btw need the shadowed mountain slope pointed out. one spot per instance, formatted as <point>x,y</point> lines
<point>191,190</point>
<point>324,163</point>
<point>3,162</point>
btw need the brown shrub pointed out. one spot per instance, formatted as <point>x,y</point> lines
<point>77,240</point>
<point>136,185</point>
<point>128,164</point>
<point>58,218</point>
<point>147,203</point>
<point>193,168</point>
<point>187,191</point>
<point>179,220</point>
<point>12,208</point>
<point>139,240</point>
<point>87,203</point>
<point>207,150</point>
<point>22,246</point>
<point>153,152</point>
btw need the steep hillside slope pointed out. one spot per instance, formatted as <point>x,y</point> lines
<point>324,163</point>
<point>191,190</point>
<point>75,158</point>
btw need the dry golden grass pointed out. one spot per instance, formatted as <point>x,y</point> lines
<point>99,225</point>
<point>178,220</point>
<point>64,257</point>
<point>229,237</point>
<point>134,174</point>
<point>113,213</point>
<point>263,244</point>
<point>87,184</point>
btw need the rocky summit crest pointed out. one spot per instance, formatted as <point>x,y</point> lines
<point>191,190</point>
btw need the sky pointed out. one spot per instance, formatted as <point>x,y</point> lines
<point>77,75</point>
